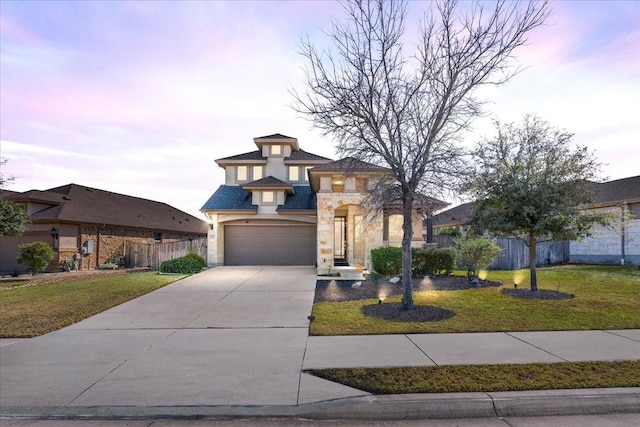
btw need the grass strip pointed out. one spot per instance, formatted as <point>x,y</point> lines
<point>36,310</point>
<point>487,378</point>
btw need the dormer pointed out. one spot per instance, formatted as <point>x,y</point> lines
<point>268,192</point>
<point>276,145</point>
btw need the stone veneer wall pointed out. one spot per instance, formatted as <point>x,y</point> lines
<point>327,204</point>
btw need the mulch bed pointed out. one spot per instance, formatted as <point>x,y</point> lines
<point>395,312</point>
<point>375,287</point>
<point>539,294</point>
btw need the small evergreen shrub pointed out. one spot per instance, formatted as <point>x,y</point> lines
<point>450,231</point>
<point>36,256</point>
<point>475,254</point>
<point>432,261</point>
<point>387,261</point>
<point>189,264</point>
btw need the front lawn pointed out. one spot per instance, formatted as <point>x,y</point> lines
<point>605,297</point>
<point>35,310</point>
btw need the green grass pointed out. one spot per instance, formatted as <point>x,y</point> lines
<point>35,310</point>
<point>606,297</point>
<point>486,378</point>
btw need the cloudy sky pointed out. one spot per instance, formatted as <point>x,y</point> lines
<point>141,97</point>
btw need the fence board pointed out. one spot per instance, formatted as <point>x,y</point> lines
<point>152,255</point>
<point>515,253</point>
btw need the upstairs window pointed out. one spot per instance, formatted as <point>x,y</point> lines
<point>268,198</point>
<point>276,150</point>
<point>294,173</point>
<point>257,173</point>
<point>242,174</point>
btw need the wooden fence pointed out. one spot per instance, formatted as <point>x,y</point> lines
<point>515,253</point>
<point>153,254</point>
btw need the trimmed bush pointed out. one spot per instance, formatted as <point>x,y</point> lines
<point>450,231</point>
<point>189,264</point>
<point>433,261</point>
<point>387,261</point>
<point>36,256</point>
<point>476,253</point>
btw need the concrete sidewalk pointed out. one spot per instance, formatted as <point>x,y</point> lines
<point>233,342</point>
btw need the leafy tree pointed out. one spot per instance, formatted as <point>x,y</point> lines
<point>36,255</point>
<point>529,183</point>
<point>13,217</point>
<point>404,108</point>
<point>476,254</point>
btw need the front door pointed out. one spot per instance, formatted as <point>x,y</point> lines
<point>340,240</point>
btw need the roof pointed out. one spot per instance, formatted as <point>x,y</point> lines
<point>255,157</point>
<point>618,191</point>
<point>229,198</point>
<point>75,203</point>
<point>234,198</point>
<point>454,216</point>
<point>275,136</point>
<point>304,156</point>
<point>349,164</point>
<point>303,200</point>
<point>267,183</point>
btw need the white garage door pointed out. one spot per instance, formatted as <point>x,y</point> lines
<point>270,245</point>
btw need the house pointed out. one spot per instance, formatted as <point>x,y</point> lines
<point>92,225</point>
<point>617,244</point>
<point>281,205</point>
<point>620,243</point>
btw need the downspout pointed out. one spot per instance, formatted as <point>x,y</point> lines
<point>622,231</point>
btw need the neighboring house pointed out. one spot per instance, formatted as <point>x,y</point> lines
<point>93,225</point>
<point>281,205</point>
<point>608,245</point>
<point>620,243</point>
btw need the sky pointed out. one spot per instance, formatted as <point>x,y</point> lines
<point>141,97</point>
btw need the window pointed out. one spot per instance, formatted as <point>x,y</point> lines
<point>294,173</point>
<point>257,173</point>
<point>243,173</point>
<point>276,150</point>
<point>158,237</point>
<point>268,197</point>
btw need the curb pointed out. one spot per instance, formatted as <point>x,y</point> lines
<point>387,407</point>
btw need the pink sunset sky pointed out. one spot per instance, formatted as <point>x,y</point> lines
<point>141,97</point>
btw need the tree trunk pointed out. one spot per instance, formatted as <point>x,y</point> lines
<point>532,262</point>
<point>407,236</point>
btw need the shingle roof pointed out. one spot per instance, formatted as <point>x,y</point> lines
<point>349,163</point>
<point>303,200</point>
<point>74,203</point>
<point>458,215</point>
<point>618,190</point>
<point>301,156</point>
<point>229,197</point>
<point>268,182</point>
<point>275,136</point>
<point>253,155</point>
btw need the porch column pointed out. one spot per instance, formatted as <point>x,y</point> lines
<point>326,217</point>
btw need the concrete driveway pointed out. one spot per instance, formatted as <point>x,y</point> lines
<point>227,336</point>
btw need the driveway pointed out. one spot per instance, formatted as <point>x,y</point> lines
<point>227,336</point>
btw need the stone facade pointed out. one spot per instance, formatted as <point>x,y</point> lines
<point>371,229</point>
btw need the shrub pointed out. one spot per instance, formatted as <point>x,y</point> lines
<point>387,261</point>
<point>189,264</point>
<point>476,253</point>
<point>108,266</point>
<point>433,261</point>
<point>36,255</point>
<point>450,231</point>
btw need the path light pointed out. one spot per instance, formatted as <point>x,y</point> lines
<point>518,276</point>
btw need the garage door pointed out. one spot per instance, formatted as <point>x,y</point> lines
<point>269,245</point>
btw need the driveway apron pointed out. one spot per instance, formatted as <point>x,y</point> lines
<point>226,336</point>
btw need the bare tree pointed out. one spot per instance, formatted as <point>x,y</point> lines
<point>408,111</point>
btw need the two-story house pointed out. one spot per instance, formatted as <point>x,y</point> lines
<point>281,205</point>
